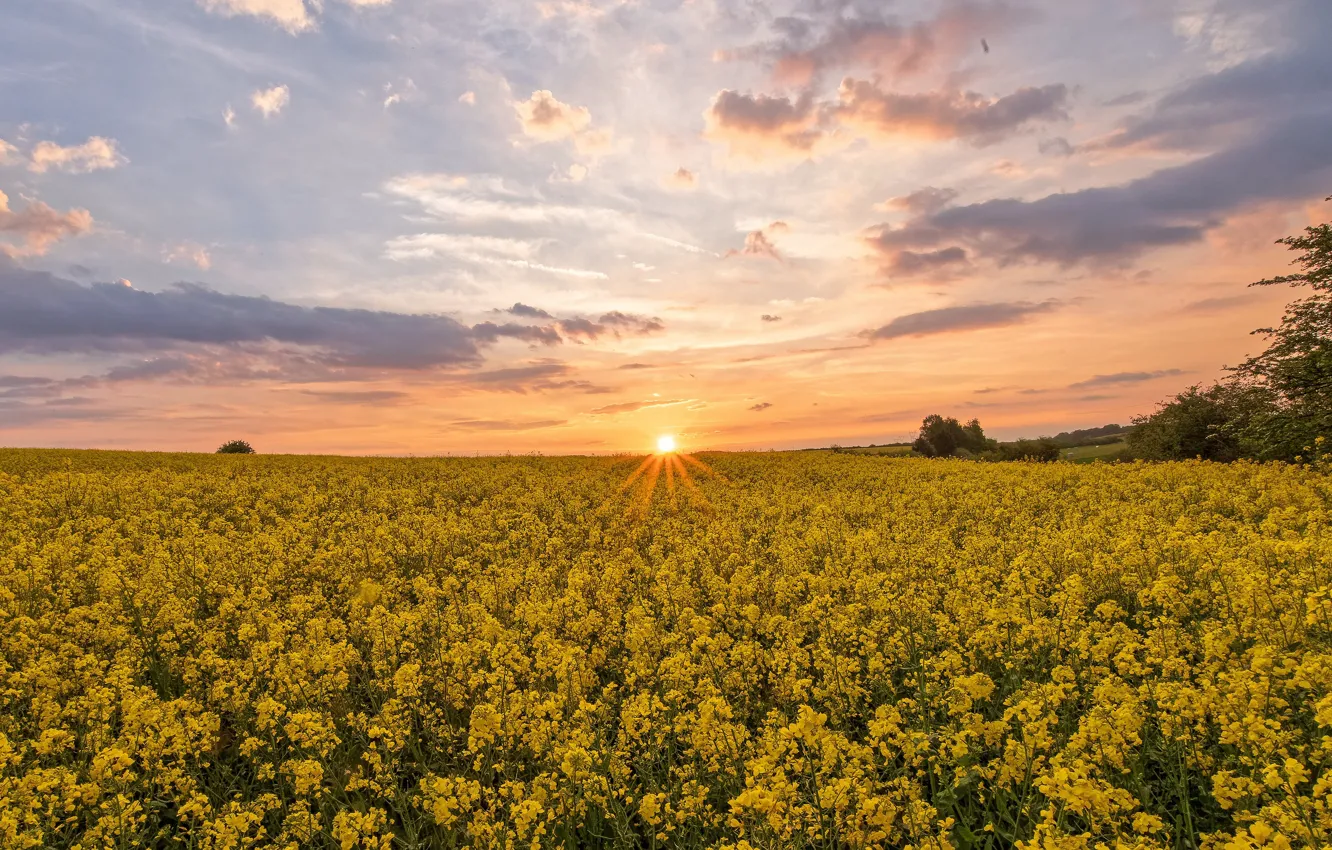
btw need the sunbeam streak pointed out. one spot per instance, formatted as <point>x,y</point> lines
<point>642,482</point>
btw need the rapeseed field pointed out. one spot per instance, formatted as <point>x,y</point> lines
<point>780,650</point>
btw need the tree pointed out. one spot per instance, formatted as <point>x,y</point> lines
<point>1210,423</point>
<point>946,437</point>
<point>1297,366</point>
<point>235,447</point>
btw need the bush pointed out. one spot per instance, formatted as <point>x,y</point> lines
<point>1044,449</point>
<point>236,447</point>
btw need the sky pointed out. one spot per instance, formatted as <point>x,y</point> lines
<point>571,226</point>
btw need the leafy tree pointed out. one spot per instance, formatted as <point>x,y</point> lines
<point>1208,423</point>
<point>235,447</point>
<point>946,437</point>
<point>1297,366</point>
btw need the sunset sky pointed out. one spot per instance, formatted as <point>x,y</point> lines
<point>422,226</point>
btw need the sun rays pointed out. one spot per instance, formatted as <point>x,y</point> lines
<point>671,465</point>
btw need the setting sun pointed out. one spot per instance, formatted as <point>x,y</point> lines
<point>665,444</point>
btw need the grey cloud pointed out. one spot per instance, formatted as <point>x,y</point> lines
<point>636,366</point>
<point>537,377</point>
<point>614,322</point>
<point>947,115</point>
<point>8,381</point>
<point>761,406</point>
<point>926,200</point>
<point>357,396</point>
<point>1257,92</point>
<point>964,317</point>
<point>1124,378</point>
<point>1127,99</point>
<point>1173,206</point>
<point>862,36</point>
<point>1058,146</point>
<point>43,314</point>
<point>907,263</point>
<point>768,317</point>
<point>491,332</point>
<point>521,309</point>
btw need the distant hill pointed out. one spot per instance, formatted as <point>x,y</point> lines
<point>1091,436</point>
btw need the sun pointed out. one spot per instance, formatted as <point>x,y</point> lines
<point>665,444</point>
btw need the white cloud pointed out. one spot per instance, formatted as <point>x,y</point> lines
<point>39,227</point>
<point>546,119</point>
<point>291,15</point>
<point>189,252</point>
<point>467,97</point>
<point>271,101</point>
<point>93,155</point>
<point>8,153</point>
<point>489,200</point>
<point>483,250</point>
<point>229,116</point>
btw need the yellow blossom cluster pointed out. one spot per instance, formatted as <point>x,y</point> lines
<point>802,650</point>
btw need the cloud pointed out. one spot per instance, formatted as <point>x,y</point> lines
<point>636,366</point>
<point>271,101</point>
<point>468,97</point>
<point>946,115</point>
<point>294,16</point>
<point>38,227</point>
<point>290,15</point>
<point>811,46</point>
<point>766,130</point>
<point>1124,378</point>
<point>631,406</point>
<point>768,317</point>
<point>759,244</point>
<point>537,377</point>
<point>545,118</point>
<point>9,155</point>
<point>506,424</point>
<point>614,322</point>
<point>1172,206</point>
<point>521,309</point>
<point>762,406</point>
<point>43,314</point>
<point>1216,305</point>
<point>491,332</point>
<point>762,129</point>
<point>964,317</point>
<point>481,250</point>
<point>681,179</point>
<point>926,200</point>
<point>189,252</point>
<point>1058,146</point>
<point>93,155</point>
<point>908,263</point>
<point>375,397</point>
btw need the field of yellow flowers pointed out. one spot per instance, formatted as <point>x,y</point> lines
<point>785,650</point>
